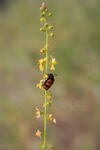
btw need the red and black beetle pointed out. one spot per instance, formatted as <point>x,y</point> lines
<point>48,83</point>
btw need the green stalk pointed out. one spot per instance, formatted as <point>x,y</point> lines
<point>46,71</point>
<point>45,121</point>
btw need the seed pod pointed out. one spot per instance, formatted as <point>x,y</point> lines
<point>43,14</point>
<point>50,27</point>
<point>51,34</point>
<point>42,20</point>
<point>49,14</point>
<point>46,24</point>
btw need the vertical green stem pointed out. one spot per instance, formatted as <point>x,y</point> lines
<point>45,119</point>
<point>46,71</point>
<point>46,50</point>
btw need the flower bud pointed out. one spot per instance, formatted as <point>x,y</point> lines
<point>42,50</point>
<point>41,9</point>
<point>49,14</point>
<point>43,14</point>
<point>42,29</point>
<point>51,34</point>
<point>50,27</point>
<point>42,20</point>
<point>46,24</point>
<point>46,10</point>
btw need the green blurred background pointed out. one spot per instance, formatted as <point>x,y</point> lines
<point>76,92</point>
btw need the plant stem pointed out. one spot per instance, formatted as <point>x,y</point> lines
<point>46,71</point>
<point>46,51</point>
<point>45,119</point>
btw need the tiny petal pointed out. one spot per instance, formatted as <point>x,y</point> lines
<point>41,67</point>
<point>54,120</point>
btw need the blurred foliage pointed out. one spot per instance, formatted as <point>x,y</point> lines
<point>77,88</point>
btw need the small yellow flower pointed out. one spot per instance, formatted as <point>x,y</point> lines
<point>39,85</point>
<point>42,62</point>
<point>42,50</point>
<point>52,67</point>
<point>53,62</point>
<point>38,133</point>
<point>38,113</point>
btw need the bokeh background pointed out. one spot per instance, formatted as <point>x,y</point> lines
<point>76,92</point>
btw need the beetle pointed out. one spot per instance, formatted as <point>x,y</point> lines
<point>48,83</point>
